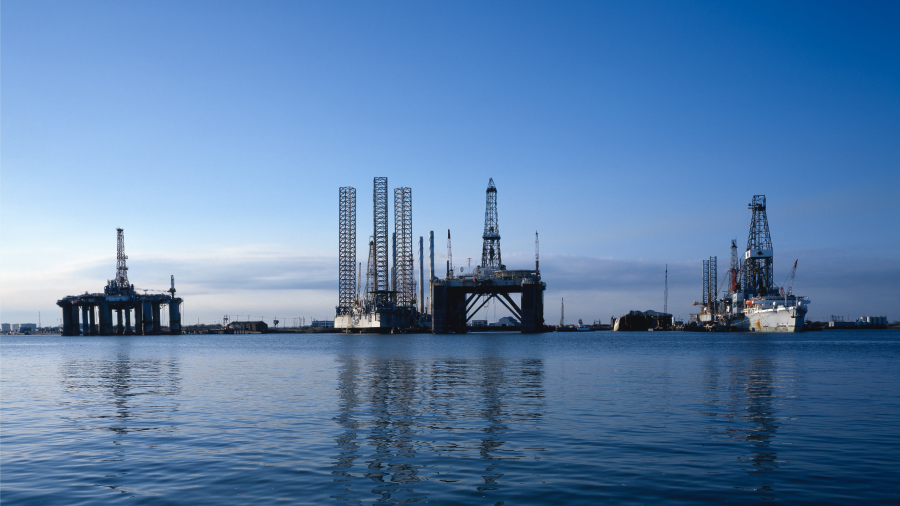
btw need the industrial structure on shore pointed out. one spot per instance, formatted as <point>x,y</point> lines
<point>391,301</point>
<point>95,310</point>
<point>752,302</point>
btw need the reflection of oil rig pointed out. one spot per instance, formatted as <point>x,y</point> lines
<point>119,297</point>
<point>391,303</point>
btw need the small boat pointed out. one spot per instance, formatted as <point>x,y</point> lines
<point>582,326</point>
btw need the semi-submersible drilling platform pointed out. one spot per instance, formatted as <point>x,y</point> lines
<point>391,303</point>
<point>119,297</point>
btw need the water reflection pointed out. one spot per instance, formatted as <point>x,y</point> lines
<point>749,408</point>
<point>120,393</point>
<point>405,421</point>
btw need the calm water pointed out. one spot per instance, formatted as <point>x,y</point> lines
<point>642,418</point>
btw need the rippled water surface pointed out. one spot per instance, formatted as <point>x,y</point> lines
<point>576,418</point>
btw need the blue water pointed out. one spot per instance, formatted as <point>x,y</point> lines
<point>574,418</point>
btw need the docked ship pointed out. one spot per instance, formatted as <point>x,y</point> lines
<point>753,302</point>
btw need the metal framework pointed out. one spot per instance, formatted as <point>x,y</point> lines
<point>449,255</point>
<point>705,300</point>
<point>347,249</point>
<point>666,294</point>
<point>370,269</point>
<point>421,275</point>
<point>121,268</point>
<point>562,313</point>
<point>490,254</point>
<point>710,283</point>
<point>759,255</point>
<point>403,256</point>
<point>734,272</point>
<point>380,235</point>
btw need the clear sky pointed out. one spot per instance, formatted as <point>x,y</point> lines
<point>629,134</point>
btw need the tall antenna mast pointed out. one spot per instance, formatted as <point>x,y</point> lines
<point>562,313</point>
<point>449,255</point>
<point>666,297</point>
<point>490,254</point>
<point>537,254</point>
<point>121,268</point>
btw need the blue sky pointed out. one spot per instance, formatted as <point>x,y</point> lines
<point>630,134</point>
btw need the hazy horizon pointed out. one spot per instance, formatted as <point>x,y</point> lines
<point>630,136</point>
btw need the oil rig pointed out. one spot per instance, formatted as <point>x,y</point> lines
<point>456,298</point>
<point>119,297</point>
<point>389,302</point>
<point>752,301</point>
<point>394,300</point>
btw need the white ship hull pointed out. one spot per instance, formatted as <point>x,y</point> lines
<point>774,315</point>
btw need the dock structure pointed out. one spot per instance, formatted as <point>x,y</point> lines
<point>91,314</point>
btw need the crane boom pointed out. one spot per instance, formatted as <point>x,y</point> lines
<point>790,289</point>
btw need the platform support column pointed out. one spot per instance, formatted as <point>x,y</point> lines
<point>157,321</point>
<point>94,331</point>
<point>532,306</point>
<point>120,328</point>
<point>175,316</point>
<point>128,330</point>
<point>147,322</point>
<point>105,317</point>
<point>139,319</point>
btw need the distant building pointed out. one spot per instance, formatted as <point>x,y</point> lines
<point>322,324</point>
<point>4,327</point>
<point>506,321</point>
<point>249,326</point>
<point>479,323</point>
<point>27,327</point>
<point>14,327</point>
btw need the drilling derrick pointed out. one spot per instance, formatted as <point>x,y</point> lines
<point>370,270</point>
<point>403,256</point>
<point>759,255</point>
<point>734,272</point>
<point>490,255</point>
<point>347,249</point>
<point>380,219</point>
<point>121,268</point>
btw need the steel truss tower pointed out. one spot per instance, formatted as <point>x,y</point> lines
<point>121,268</point>
<point>347,249</point>
<point>759,255</point>
<point>490,254</point>
<point>403,257</point>
<point>380,236</point>
<point>710,284</point>
<point>370,270</point>
<point>705,300</point>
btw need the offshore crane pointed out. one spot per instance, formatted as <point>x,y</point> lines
<point>790,281</point>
